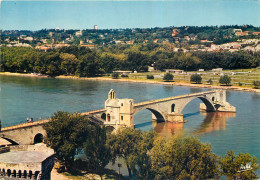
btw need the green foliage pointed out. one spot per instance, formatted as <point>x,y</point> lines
<point>115,75</point>
<point>69,63</point>
<point>96,150</point>
<point>183,158</point>
<point>196,78</point>
<point>256,84</point>
<point>150,77</point>
<point>234,166</point>
<point>88,65</point>
<point>134,147</point>
<point>168,77</point>
<point>124,75</point>
<point>81,61</point>
<point>66,134</point>
<point>225,80</point>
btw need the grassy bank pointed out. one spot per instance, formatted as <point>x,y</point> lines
<point>241,79</point>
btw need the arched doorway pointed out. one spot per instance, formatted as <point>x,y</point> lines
<point>108,117</point>
<point>103,116</point>
<point>38,138</point>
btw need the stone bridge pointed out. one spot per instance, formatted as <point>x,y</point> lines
<point>33,132</point>
<point>120,113</point>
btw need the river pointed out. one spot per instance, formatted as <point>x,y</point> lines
<point>22,97</point>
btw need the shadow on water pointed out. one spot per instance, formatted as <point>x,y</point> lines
<point>149,123</point>
<point>191,114</point>
<point>213,121</point>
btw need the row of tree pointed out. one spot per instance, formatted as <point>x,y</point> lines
<point>146,155</point>
<point>81,61</point>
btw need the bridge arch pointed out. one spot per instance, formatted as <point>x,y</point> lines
<point>156,114</point>
<point>38,138</point>
<point>207,101</point>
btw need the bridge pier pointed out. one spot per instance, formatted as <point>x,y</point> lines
<point>175,117</point>
<point>223,107</point>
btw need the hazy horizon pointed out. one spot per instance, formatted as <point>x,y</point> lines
<point>120,14</point>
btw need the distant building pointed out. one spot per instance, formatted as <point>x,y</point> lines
<point>217,69</point>
<point>175,32</point>
<point>174,71</point>
<point>22,45</point>
<point>78,33</point>
<point>122,72</point>
<point>245,33</point>
<point>90,46</point>
<point>155,41</point>
<point>28,38</point>
<point>256,33</point>
<point>150,68</point>
<point>203,40</point>
<point>44,47</point>
<point>237,30</point>
<point>95,27</point>
<point>130,42</point>
<point>51,34</point>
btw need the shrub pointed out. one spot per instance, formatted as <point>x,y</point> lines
<point>150,77</point>
<point>124,75</point>
<point>225,80</point>
<point>115,75</point>
<point>256,84</point>
<point>240,84</point>
<point>168,77</point>
<point>195,78</point>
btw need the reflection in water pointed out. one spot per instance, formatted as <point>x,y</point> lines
<point>168,129</point>
<point>214,121</point>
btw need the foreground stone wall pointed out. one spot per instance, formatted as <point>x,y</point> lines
<point>39,170</point>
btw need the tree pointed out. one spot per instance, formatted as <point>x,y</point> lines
<point>183,158</point>
<point>115,75</point>
<point>168,77</point>
<point>95,148</point>
<point>66,134</point>
<point>150,77</point>
<point>225,80</point>
<point>241,166</point>
<point>133,146</point>
<point>68,63</point>
<point>123,145</point>
<point>88,65</point>
<point>196,78</point>
<point>256,84</point>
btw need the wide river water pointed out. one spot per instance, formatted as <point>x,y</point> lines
<point>22,97</point>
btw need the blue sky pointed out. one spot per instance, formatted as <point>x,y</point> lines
<point>35,15</point>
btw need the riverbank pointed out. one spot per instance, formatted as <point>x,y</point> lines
<point>233,88</point>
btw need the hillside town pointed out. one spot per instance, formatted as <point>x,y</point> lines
<point>185,39</point>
